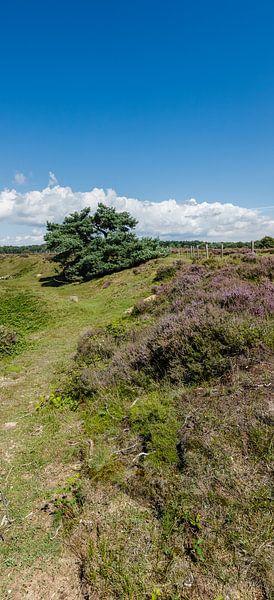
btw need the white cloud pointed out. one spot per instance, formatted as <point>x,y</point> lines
<point>22,240</point>
<point>20,178</point>
<point>52,179</point>
<point>168,219</point>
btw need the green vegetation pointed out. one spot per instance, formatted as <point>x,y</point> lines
<point>88,245</point>
<point>265,242</point>
<point>146,468</point>
<point>33,249</point>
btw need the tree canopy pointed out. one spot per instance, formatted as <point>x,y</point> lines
<point>87,245</point>
<point>265,242</point>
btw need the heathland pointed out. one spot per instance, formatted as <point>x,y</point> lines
<point>136,430</point>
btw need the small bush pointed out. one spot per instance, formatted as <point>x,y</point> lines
<point>262,268</point>
<point>165,272</point>
<point>59,400</point>
<point>94,346</point>
<point>196,347</point>
<point>67,502</point>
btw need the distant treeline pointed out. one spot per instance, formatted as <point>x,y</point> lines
<point>265,242</point>
<point>22,249</point>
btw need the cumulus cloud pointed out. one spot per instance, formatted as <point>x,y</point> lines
<point>20,178</point>
<point>23,240</point>
<point>168,219</point>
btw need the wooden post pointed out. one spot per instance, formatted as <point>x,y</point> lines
<point>207,253</point>
<point>252,246</point>
<point>198,253</point>
<point>191,250</point>
<point>222,251</point>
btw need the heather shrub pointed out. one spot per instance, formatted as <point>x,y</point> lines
<point>262,268</point>
<point>258,300</point>
<point>160,289</point>
<point>202,321</point>
<point>237,297</point>
<point>195,348</point>
<point>165,272</point>
<point>94,346</point>
<point>251,257</point>
<point>188,280</point>
<point>139,308</point>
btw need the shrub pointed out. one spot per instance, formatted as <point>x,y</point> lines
<point>59,400</point>
<point>94,346</point>
<point>165,272</point>
<point>195,347</point>
<point>262,268</point>
<point>203,320</point>
<point>258,300</point>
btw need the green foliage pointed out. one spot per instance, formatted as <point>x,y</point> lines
<point>88,245</point>
<point>58,400</point>
<point>177,516</point>
<point>156,594</point>
<point>265,242</point>
<point>67,501</point>
<point>197,551</point>
<point>33,249</point>
<point>95,346</point>
<point>165,272</point>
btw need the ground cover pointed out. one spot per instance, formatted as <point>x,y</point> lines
<point>40,450</point>
<point>132,468</point>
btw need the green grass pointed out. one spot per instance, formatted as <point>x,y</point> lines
<point>43,450</point>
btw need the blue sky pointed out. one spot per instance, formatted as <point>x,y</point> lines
<point>154,99</point>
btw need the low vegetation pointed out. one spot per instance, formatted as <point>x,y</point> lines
<point>171,382</point>
<point>176,407</point>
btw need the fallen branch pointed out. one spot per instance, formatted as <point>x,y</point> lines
<point>139,455</point>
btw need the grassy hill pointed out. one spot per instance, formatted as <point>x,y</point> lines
<point>136,434</point>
